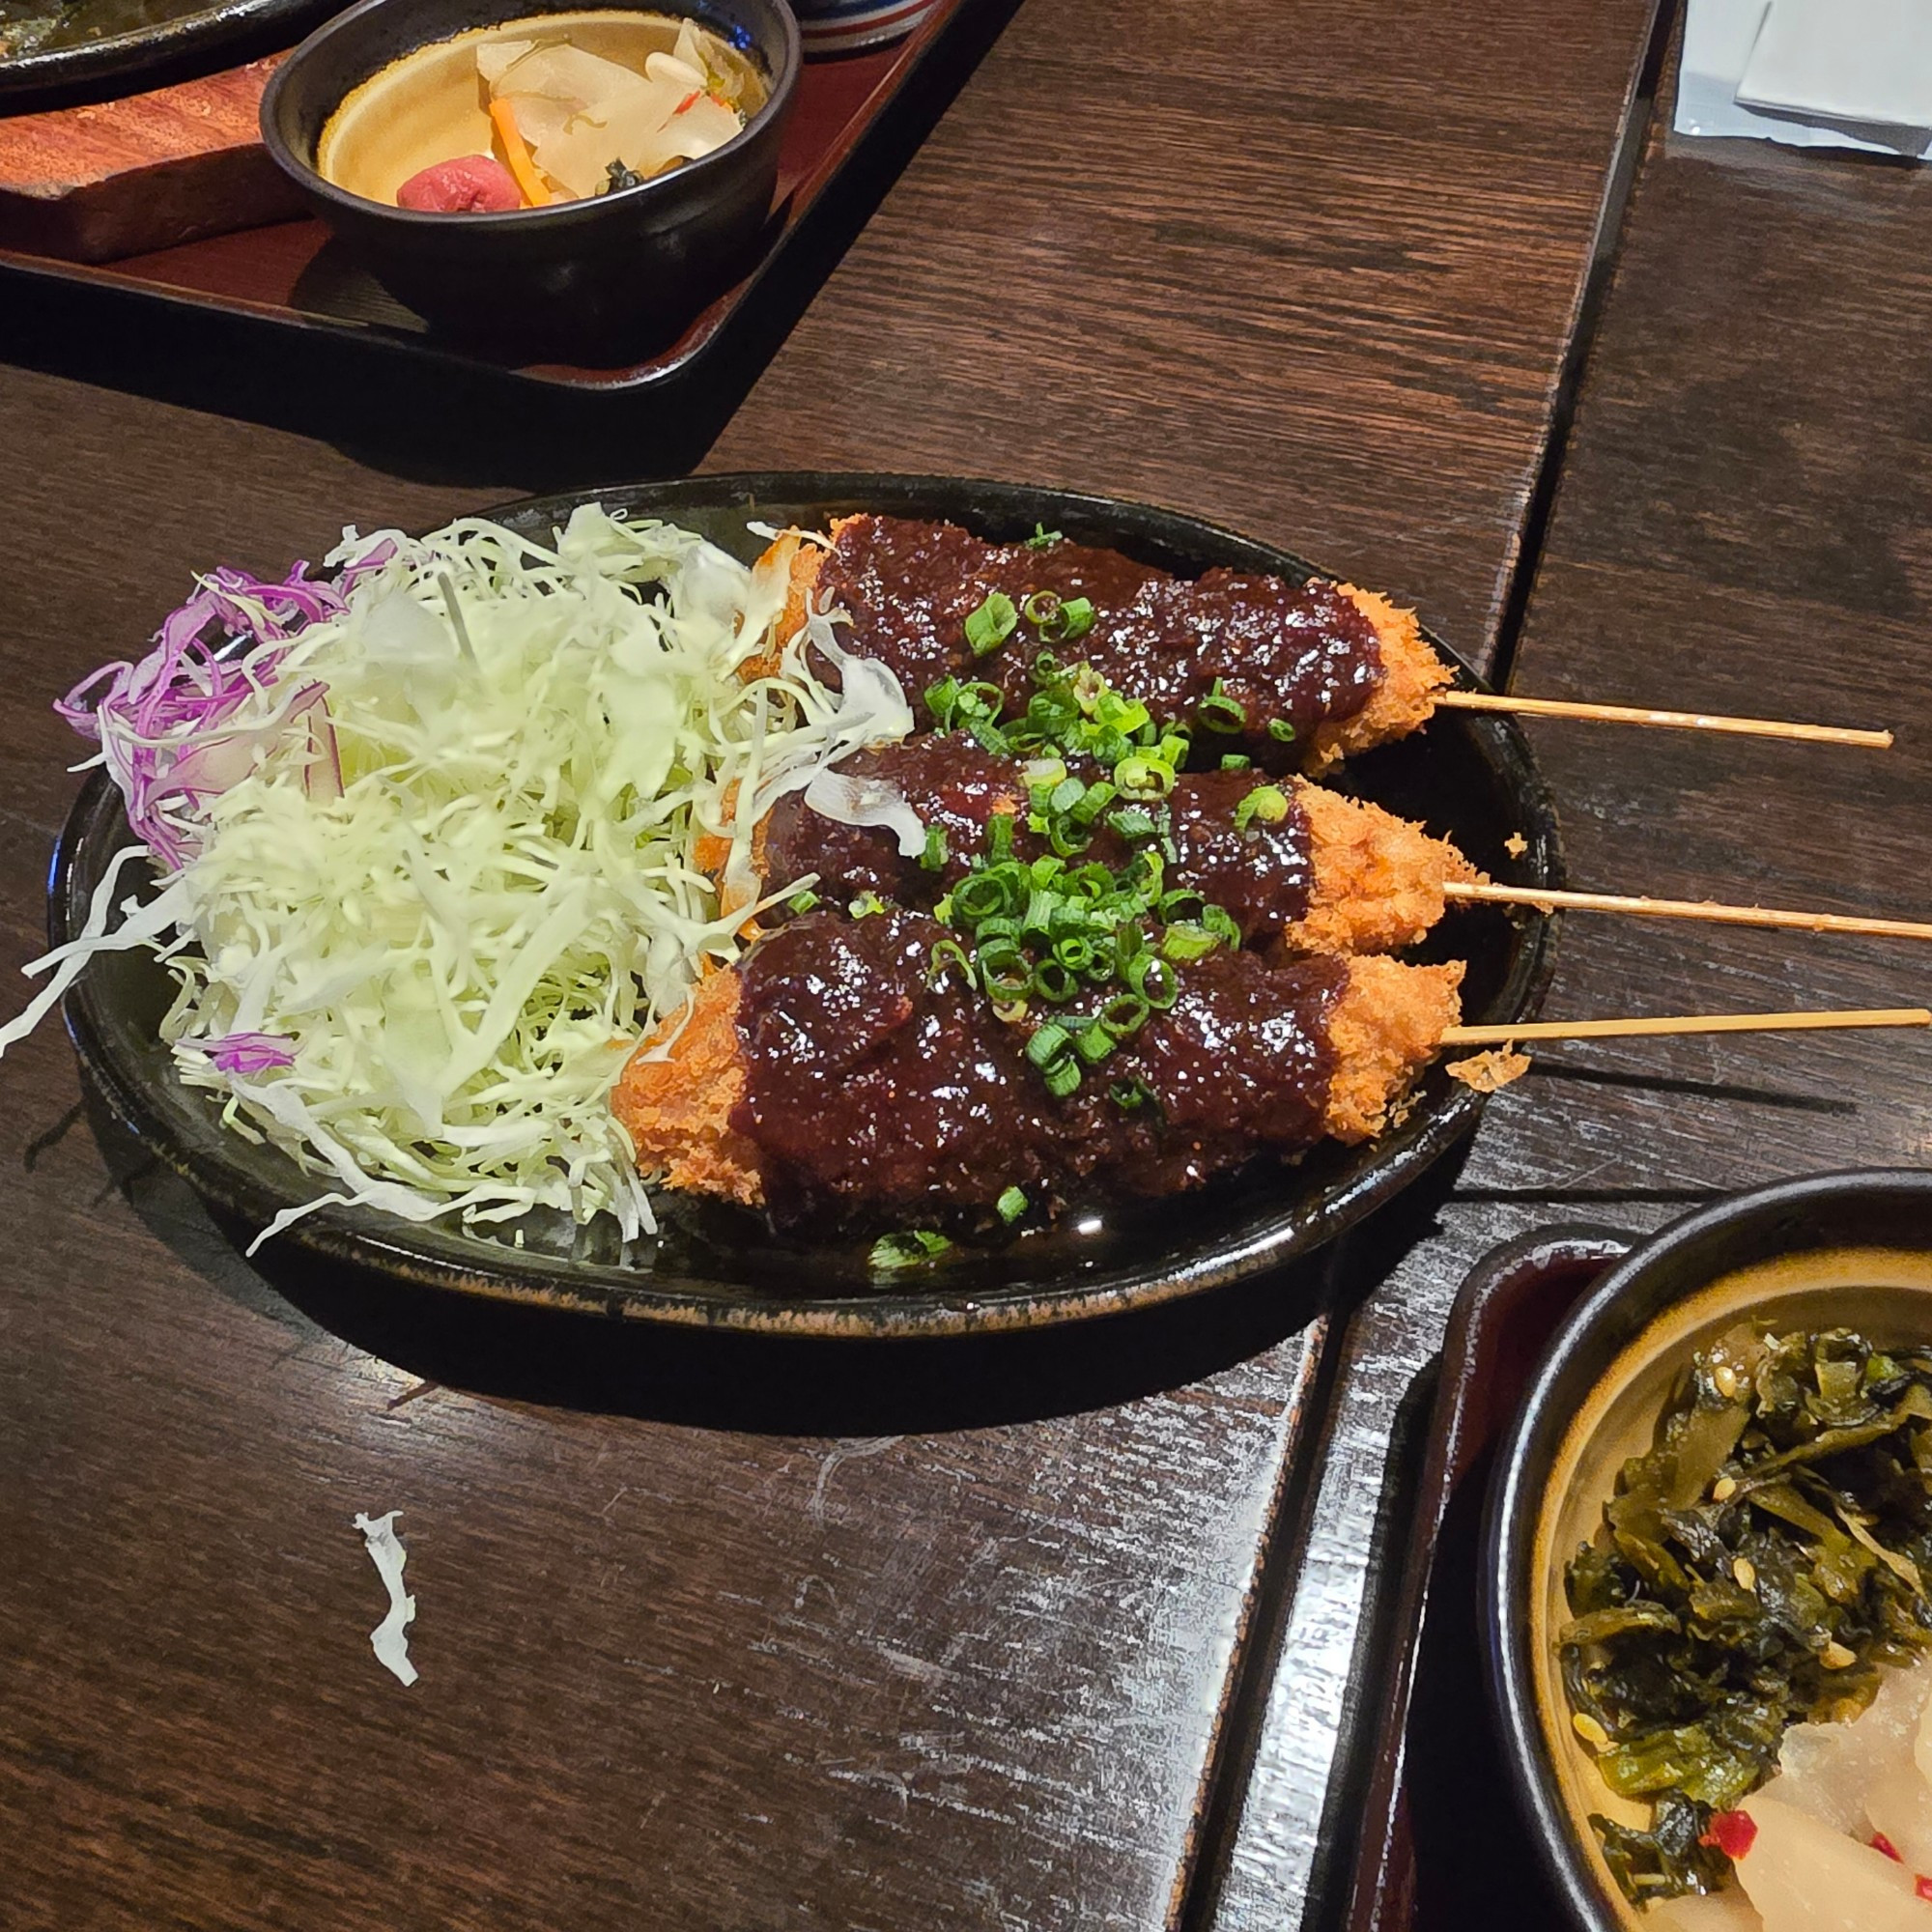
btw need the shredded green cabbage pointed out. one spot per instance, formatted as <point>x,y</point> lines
<point>456,955</point>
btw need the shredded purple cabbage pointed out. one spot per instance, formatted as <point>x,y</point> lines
<point>247,1053</point>
<point>158,722</point>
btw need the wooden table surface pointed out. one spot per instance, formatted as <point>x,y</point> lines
<point>1081,1659</point>
<point>1740,526</point>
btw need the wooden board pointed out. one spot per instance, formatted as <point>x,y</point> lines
<point>151,171</point>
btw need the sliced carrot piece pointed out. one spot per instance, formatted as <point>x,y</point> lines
<point>517,157</point>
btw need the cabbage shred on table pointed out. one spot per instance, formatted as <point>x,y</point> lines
<point>425,837</point>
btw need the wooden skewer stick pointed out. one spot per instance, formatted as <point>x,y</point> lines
<point>1683,720</point>
<point>1704,909</point>
<point>1811,1021</point>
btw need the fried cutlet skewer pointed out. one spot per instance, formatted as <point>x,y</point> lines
<point>1339,668</point>
<point>1334,875</point>
<point>830,1075</point>
<point>1331,874</point>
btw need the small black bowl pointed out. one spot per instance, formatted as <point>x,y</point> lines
<point>598,277</point>
<point>1830,1250</point>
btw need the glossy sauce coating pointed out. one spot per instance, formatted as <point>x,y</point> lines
<point>1300,653</point>
<point>1262,876</point>
<point>870,1092</point>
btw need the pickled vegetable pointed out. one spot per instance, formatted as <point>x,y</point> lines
<point>1761,1567</point>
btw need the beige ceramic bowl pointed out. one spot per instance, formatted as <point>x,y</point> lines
<point>430,105</point>
<point>1830,1251</point>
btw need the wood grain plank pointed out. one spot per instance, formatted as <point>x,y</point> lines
<point>1318,286</point>
<point>672,1675</point>
<point>1314,278</point>
<point>147,171</point>
<point>1741,526</point>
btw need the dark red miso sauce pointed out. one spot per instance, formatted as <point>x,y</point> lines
<point>1300,654</point>
<point>1261,875</point>
<point>873,1093</point>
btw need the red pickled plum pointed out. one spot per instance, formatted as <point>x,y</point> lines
<point>470,185</point>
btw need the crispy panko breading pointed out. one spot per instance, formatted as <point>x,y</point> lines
<point>803,559</point>
<point>1378,879</point>
<point>1402,701</point>
<point>1491,1071</point>
<point>1383,1031</point>
<point>677,1107</point>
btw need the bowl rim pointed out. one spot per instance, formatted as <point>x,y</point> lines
<point>1513,1501</point>
<point>302,168</point>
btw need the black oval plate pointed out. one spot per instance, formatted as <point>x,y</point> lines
<point>1470,777</point>
<point>117,46</point>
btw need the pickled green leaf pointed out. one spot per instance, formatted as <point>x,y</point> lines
<point>1757,1568</point>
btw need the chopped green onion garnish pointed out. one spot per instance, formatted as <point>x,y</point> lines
<point>1063,1077</point>
<point>1235,761</point>
<point>1041,607</point>
<point>802,902</point>
<point>942,699</point>
<point>1218,920</point>
<point>1188,940</point>
<point>981,895</point>
<point>933,857</point>
<point>1048,1043</point>
<point>1042,538</point>
<point>866,905</point>
<point>1281,730</point>
<point>1123,1014</point>
<point>912,1249</point>
<point>1128,1094</point>
<point>950,953</point>
<point>1051,981</point>
<point>1144,777</point>
<point>1266,802</point>
<point>1075,620</point>
<point>1092,803</point>
<point>1220,713</point>
<point>1150,975</point>
<point>1075,953</point>
<point>1000,836</point>
<point>989,626</point>
<point>1131,823</point>
<point>1093,1042</point>
<point>1011,1205</point>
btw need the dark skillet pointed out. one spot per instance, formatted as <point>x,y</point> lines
<point>1469,777</point>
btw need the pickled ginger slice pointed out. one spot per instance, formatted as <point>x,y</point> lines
<point>1826,1769</point>
<point>493,58</point>
<point>1728,1911</point>
<point>1804,1877</point>
<point>1898,1808</point>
